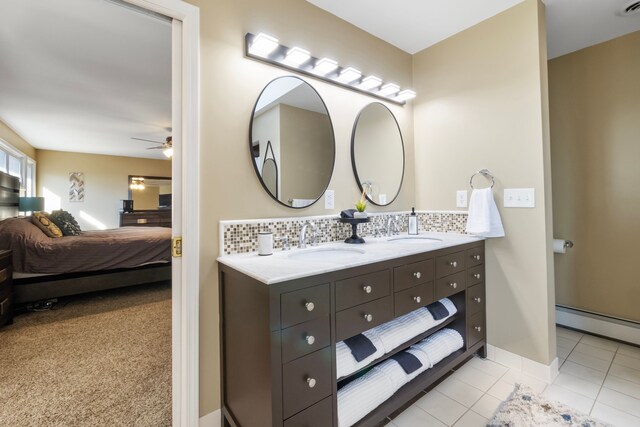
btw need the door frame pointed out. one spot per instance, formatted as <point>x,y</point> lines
<point>186,271</point>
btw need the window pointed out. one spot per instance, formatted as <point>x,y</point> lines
<point>18,164</point>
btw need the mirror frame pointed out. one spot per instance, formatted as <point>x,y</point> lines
<point>130,194</point>
<point>353,154</point>
<point>255,167</point>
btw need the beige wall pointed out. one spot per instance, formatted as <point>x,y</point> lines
<point>106,183</point>
<point>8,135</point>
<point>305,161</point>
<point>595,126</point>
<point>482,104</point>
<point>230,85</point>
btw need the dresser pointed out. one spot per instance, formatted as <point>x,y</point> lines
<point>146,218</point>
<point>6,288</point>
<point>278,340</point>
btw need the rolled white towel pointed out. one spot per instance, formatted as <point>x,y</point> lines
<point>346,364</point>
<point>441,344</point>
<point>426,319</point>
<point>399,330</point>
<point>363,395</point>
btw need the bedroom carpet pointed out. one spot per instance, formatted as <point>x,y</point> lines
<point>102,359</point>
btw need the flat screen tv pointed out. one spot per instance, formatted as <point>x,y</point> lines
<point>164,201</point>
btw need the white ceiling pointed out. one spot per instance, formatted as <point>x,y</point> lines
<point>413,25</point>
<point>85,76</point>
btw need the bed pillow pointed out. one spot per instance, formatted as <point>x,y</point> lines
<point>46,225</point>
<point>65,222</point>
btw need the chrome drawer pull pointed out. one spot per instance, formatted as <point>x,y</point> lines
<point>476,257</point>
<point>417,299</point>
<point>310,339</point>
<point>368,317</point>
<point>478,300</point>
<point>453,264</point>
<point>311,382</point>
<point>417,275</point>
<point>367,289</point>
<point>477,328</point>
<point>453,285</point>
<point>310,306</point>
<point>477,276</point>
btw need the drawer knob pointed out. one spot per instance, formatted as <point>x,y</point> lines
<point>454,285</point>
<point>477,276</point>
<point>311,382</point>
<point>477,299</point>
<point>367,289</point>
<point>310,306</point>
<point>453,264</point>
<point>368,317</point>
<point>417,299</point>
<point>417,275</point>
<point>310,339</point>
<point>478,328</point>
<point>476,257</point>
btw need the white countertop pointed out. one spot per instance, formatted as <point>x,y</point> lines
<point>284,265</point>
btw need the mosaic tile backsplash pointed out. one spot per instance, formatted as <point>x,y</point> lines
<point>242,236</point>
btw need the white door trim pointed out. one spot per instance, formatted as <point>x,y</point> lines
<point>186,281</point>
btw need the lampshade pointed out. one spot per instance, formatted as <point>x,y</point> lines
<point>33,204</point>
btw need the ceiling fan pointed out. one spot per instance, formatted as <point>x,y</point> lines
<point>166,146</point>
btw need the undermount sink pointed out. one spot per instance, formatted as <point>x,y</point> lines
<point>413,239</point>
<point>326,254</point>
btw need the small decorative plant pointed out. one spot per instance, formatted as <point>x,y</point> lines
<point>361,204</point>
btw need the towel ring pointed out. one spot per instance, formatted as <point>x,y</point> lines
<point>485,173</point>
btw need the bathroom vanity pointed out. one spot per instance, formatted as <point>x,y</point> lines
<point>281,317</point>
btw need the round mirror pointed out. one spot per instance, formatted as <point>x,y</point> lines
<point>291,142</point>
<point>377,154</point>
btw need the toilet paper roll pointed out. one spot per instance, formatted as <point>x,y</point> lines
<point>559,246</point>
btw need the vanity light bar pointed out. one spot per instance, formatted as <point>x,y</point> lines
<point>266,48</point>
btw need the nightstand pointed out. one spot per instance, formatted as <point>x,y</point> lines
<point>6,288</point>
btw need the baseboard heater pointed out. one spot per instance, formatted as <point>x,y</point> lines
<point>598,324</point>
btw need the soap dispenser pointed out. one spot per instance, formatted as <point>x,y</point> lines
<point>413,222</point>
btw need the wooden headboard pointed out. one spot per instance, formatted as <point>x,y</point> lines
<point>9,196</point>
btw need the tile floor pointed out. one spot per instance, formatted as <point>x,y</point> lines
<point>597,376</point>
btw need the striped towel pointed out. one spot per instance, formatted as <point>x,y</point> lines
<point>441,344</point>
<point>346,364</point>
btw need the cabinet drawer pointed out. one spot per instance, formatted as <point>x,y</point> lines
<point>306,381</point>
<point>475,299</point>
<point>475,275</point>
<point>450,285</point>
<point>363,317</point>
<point>360,289</point>
<point>305,338</point>
<point>303,305</point>
<point>319,415</point>
<point>5,274</point>
<point>413,274</point>
<point>413,298</point>
<point>475,256</point>
<point>475,329</point>
<point>449,264</point>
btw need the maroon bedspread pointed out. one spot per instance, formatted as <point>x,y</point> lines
<point>35,252</point>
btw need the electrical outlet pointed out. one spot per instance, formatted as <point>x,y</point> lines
<point>329,199</point>
<point>519,198</point>
<point>461,199</point>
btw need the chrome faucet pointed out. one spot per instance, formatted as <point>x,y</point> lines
<point>302,243</point>
<point>392,226</point>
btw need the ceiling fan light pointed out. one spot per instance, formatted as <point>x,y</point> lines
<point>296,56</point>
<point>389,89</point>
<point>168,152</point>
<point>370,82</point>
<point>263,44</point>
<point>325,66</point>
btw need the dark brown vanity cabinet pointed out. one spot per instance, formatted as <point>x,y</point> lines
<point>278,341</point>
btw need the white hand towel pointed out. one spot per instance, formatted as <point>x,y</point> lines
<point>483,219</point>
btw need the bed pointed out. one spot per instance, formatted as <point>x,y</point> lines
<point>45,267</point>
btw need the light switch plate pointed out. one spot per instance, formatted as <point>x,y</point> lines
<point>461,199</point>
<point>329,199</point>
<point>519,198</point>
